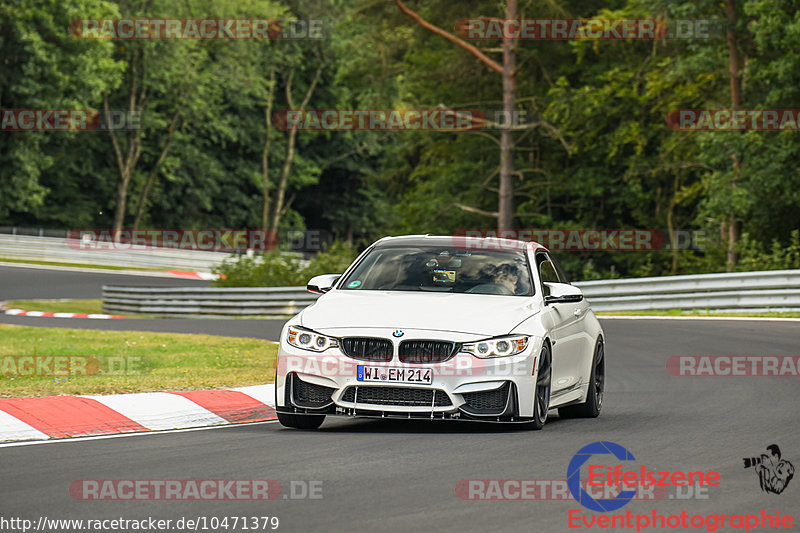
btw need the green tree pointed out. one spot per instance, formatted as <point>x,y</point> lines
<point>43,67</point>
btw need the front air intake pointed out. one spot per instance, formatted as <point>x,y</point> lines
<point>368,348</point>
<point>426,351</point>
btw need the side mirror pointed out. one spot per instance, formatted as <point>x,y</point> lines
<point>561,293</point>
<point>322,284</point>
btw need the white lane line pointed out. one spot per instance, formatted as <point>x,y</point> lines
<point>656,317</point>
<point>160,410</point>
<point>262,393</point>
<point>12,428</point>
<point>122,435</point>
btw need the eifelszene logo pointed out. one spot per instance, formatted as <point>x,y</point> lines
<point>574,476</point>
<point>774,473</point>
<point>600,475</point>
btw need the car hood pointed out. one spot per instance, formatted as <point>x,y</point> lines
<point>479,314</point>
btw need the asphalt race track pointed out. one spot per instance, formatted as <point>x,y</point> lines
<point>17,283</point>
<point>258,329</point>
<point>25,283</point>
<point>402,476</point>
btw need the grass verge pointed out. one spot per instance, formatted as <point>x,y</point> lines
<point>109,362</point>
<point>76,265</point>
<point>57,306</point>
<point>66,306</point>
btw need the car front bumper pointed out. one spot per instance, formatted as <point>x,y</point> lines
<point>464,387</point>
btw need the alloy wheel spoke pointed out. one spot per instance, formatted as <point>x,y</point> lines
<point>544,375</point>
<point>542,400</point>
<point>542,394</point>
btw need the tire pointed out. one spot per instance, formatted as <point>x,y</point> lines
<point>541,395</point>
<point>301,421</point>
<point>594,397</point>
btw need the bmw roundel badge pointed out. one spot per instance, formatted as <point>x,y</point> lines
<point>397,333</point>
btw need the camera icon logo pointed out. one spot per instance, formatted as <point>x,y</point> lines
<point>774,472</point>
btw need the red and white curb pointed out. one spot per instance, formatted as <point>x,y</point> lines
<point>56,417</point>
<point>45,314</point>
<point>188,274</point>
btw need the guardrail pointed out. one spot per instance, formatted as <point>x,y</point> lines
<point>265,302</point>
<point>61,249</point>
<point>777,290</point>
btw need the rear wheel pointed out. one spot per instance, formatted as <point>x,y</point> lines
<point>541,397</point>
<point>594,398</point>
<point>301,421</point>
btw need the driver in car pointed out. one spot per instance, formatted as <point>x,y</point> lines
<point>507,275</point>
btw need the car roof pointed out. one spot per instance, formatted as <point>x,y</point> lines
<point>480,243</point>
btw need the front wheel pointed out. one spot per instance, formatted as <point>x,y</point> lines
<point>301,421</point>
<point>594,398</point>
<point>541,398</point>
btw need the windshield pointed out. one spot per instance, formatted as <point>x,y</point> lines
<point>442,269</point>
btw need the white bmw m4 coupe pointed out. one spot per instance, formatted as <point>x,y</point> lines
<point>442,328</point>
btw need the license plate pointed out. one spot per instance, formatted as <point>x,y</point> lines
<point>392,374</point>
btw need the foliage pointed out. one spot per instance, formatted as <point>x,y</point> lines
<point>43,67</point>
<point>776,257</point>
<point>598,153</point>
<point>279,269</point>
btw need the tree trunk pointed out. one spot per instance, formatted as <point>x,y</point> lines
<point>733,238</point>
<point>290,148</point>
<point>505,200</point>
<point>505,208</point>
<point>125,164</point>
<point>265,152</point>
<point>736,102</point>
<point>284,181</point>
<point>122,198</point>
<point>673,238</point>
<point>154,171</point>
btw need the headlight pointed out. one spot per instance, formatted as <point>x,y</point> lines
<point>496,347</point>
<point>305,339</point>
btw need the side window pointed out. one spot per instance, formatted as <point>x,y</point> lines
<point>561,274</point>
<point>547,272</point>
